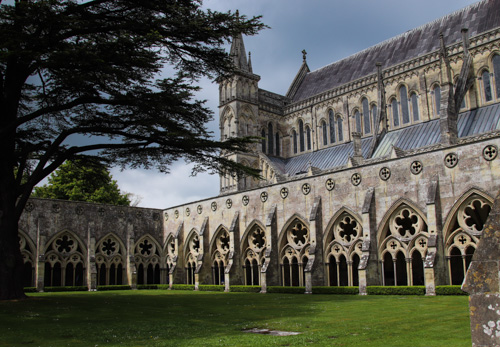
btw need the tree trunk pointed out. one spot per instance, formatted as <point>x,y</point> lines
<point>11,260</point>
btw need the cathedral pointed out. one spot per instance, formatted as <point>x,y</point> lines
<point>379,169</point>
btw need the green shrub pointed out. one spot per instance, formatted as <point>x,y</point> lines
<point>287,290</point>
<point>246,289</point>
<point>450,290</point>
<point>30,289</point>
<point>147,286</point>
<point>210,288</point>
<point>336,290</point>
<point>66,289</point>
<point>392,290</point>
<point>114,287</point>
<point>182,286</point>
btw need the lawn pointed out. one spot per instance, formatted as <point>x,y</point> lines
<point>186,318</point>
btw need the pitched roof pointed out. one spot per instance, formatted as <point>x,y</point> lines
<point>478,18</point>
<point>473,122</point>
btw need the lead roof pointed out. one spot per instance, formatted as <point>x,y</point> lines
<point>478,18</point>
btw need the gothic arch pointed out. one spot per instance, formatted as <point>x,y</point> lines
<point>192,248</point>
<point>253,245</point>
<point>292,219</point>
<point>293,246</point>
<point>219,252</point>
<point>462,231</point>
<point>148,255</point>
<point>28,252</point>
<point>110,260</point>
<point>65,260</point>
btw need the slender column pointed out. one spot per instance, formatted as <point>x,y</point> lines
<point>395,273</point>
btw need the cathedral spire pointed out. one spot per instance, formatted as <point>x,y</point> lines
<point>238,52</point>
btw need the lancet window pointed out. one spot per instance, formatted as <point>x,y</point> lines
<point>465,229</point>
<point>220,252</point>
<point>294,253</point>
<point>110,260</point>
<point>343,250</point>
<point>403,247</point>
<point>64,261</point>
<point>270,139</point>
<point>366,116</point>
<point>193,249</point>
<point>436,100</point>
<point>253,249</point>
<point>301,135</point>
<point>147,260</point>
<point>331,121</point>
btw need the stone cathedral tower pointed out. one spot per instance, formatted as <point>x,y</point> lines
<point>238,112</point>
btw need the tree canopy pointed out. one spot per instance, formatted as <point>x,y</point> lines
<point>83,80</point>
<point>76,181</point>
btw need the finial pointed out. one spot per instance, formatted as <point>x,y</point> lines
<point>238,15</point>
<point>304,53</point>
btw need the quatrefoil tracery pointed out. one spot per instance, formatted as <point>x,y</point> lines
<point>405,223</point>
<point>298,235</point>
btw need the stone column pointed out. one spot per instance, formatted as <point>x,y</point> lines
<point>40,263</point>
<point>482,282</point>
<point>91,265</point>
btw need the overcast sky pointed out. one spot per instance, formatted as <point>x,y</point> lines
<point>328,30</point>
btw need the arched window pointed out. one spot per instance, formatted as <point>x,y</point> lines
<point>405,111</point>
<point>277,144</point>
<point>301,135</point>
<point>395,112</point>
<point>366,116</point>
<point>308,137</point>
<point>270,138</point>
<point>485,76</point>
<point>325,135</point>
<point>332,126</point>
<point>263,135</point>
<point>414,106</point>
<point>357,118</point>
<point>496,73</point>
<point>436,96</point>
<point>340,128</point>
<point>374,112</point>
<point>294,140</point>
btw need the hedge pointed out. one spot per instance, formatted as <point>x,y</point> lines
<point>335,290</point>
<point>246,289</point>
<point>66,289</point>
<point>399,290</point>
<point>153,286</point>
<point>210,288</point>
<point>114,287</point>
<point>182,286</point>
<point>450,290</point>
<point>287,290</point>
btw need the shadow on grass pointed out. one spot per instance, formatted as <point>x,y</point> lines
<point>182,318</point>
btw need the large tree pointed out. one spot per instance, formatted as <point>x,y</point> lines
<point>81,79</point>
<point>76,181</point>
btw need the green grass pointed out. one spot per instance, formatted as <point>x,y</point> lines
<point>186,318</point>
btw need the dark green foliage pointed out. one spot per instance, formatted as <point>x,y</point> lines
<point>399,290</point>
<point>287,290</point>
<point>30,289</point>
<point>450,290</point>
<point>111,81</point>
<point>335,290</point>
<point>76,181</point>
<point>66,289</point>
<point>114,287</point>
<point>210,288</point>
<point>246,289</point>
<point>182,286</point>
<point>153,286</point>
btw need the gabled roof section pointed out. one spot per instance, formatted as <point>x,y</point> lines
<point>297,81</point>
<point>478,18</point>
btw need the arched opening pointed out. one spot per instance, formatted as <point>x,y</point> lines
<point>56,275</point>
<point>69,275</point>
<point>277,144</point>
<point>308,138</point>
<point>304,264</point>
<point>340,129</point>
<point>331,120</point>
<point>324,133</point>
<point>157,274</point>
<point>355,274</point>
<point>79,274</point>
<point>417,268</point>
<point>414,107</point>
<point>119,274</point>
<point>485,76</point>
<point>456,266</point>
<point>286,273</point>
<point>332,271</point>
<point>248,273</point>
<point>140,274</point>
<point>301,135</point>
<point>436,94</point>
<point>294,140</point>
<point>366,116</point>
<point>357,118</point>
<point>295,272</point>
<point>112,274</point>
<point>401,274</point>
<point>469,252</point>
<point>216,274</point>
<point>395,112</point>
<point>270,139</point>
<point>101,275</point>
<point>405,111</point>
<point>255,273</point>
<point>496,73</point>
<point>388,270</point>
<point>47,279</point>
<point>343,272</point>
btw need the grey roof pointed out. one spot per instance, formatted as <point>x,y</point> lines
<point>474,122</point>
<point>478,18</point>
